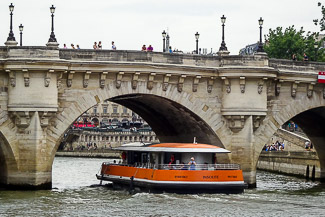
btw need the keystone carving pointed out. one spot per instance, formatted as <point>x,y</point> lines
<point>165,82</point>
<point>151,78</point>
<point>102,79</point>
<point>119,77</point>
<point>227,84</point>
<point>135,78</point>
<point>242,84</point>
<point>310,90</point>
<point>26,77</point>
<point>86,79</point>
<point>70,77</point>
<point>294,89</point>
<point>181,83</point>
<point>12,78</point>
<point>196,83</point>
<point>210,84</point>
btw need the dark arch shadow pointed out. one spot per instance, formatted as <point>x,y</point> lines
<point>171,121</point>
<point>312,122</point>
<point>7,160</point>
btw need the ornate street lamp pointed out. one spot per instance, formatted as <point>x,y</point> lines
<point>197,35</point>
<point>21,28</point>
<point>52,36</point>
<point>11,36</point>
<point>164,38</point>
<point>260,45</point>
<point>223,44</point>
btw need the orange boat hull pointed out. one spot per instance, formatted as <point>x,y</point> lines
<point>179,181</point>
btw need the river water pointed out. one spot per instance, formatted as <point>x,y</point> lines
<point>76,193</point>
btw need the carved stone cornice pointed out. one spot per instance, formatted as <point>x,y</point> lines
<point>227,84</point>
<point>134,81</point>
<point>196,81</point>
<point>47,78</point>
<point>22,118</point>
<point>181,83</point>
<point>119,77</point>
<point>165,82</point>
<point>70,77</point>
<point>278,87</point>
<point>151,78</point>
<point>12,77</point>
<point>102,79</point>
<point>59,79</point>
<point>294,87</point>
<point>210,82</point>
<point>310,90</point>
<point>86,79</point>
<point>236,122</point>
<point>242,84</point>
<point>26,77</point>
<point>260,85</point>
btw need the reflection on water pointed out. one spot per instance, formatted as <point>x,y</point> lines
<point>76,193</point>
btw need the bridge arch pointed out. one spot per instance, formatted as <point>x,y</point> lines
<point>165,111</point>
<point>309,116</point>
<point>8,163</point>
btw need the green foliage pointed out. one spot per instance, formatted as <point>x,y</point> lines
<point>321,22</point>
<point>283,44</point>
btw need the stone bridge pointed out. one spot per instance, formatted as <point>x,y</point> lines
<point>235,102</point>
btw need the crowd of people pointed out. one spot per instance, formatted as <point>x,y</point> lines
<point>277,146</point>
<point>99,46</point>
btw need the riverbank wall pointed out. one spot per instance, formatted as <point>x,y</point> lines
<point>89,154</point>
<point>297,163</point>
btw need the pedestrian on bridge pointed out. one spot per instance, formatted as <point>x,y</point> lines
<point>113,46</point>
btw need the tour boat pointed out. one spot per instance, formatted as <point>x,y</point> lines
<point>167,167</point>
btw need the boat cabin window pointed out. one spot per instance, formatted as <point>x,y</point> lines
<point>138,157</point>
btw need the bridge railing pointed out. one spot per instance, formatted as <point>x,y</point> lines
<point>182,166</point>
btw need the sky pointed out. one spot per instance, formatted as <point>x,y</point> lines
<point>132,23</point>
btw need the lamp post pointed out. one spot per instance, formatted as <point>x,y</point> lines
<point>197,35</point>
<point>21,28</point>
<point>316,46</point>
<point>223,44</point>
<point>164,42</point>
<point>11,36</point>
<point>52,36</point>
<point>167,42</point>
<point>260,45</point>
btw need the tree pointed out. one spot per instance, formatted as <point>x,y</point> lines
<point>283,44</point>
<point>321,22</point>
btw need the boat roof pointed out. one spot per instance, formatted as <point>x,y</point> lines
<point>172,147</point>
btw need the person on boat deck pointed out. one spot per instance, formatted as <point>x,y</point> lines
<point>192,163</point>
<point>172,161</point>
<point>183,166</point>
